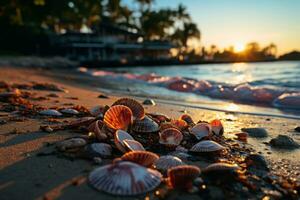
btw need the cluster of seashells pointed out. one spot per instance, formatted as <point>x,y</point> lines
<point>120,128</point>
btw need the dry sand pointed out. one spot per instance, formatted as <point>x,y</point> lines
<point>25,175</point>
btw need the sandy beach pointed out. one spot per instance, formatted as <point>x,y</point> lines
<point>30,168</point>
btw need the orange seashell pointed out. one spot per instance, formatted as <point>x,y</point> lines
<point>118,117</point>
<point>159,117</point>
<point>96,127</point>
<point>188,119</point>
<point>136,108</point>
<point>170,137</point>
<point>181,124</point>
<point>133,145</point>
<point>217,127</point>
<point>144,158</point>
<point>119,138</point>
<point>182,177</point>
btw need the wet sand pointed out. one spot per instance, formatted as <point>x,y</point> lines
<point>29,170</point>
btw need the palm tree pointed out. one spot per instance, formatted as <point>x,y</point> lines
<point>145,4</point>
<point>182,14</point>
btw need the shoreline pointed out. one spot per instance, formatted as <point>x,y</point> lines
<point>52,176</point>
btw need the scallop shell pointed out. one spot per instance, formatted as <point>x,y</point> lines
<point>182,177</point>
<point>206,146</point>
<point>201,130</point>
<point>146,125</point>
<point>144,158</point>
<point>180,124</point>
<point>167,125</point>
<point>166,162</point>
<point>50,112</point>
<point>119,138</point>
<point>159,117</point>
<point>188,119</point>
<point>133,145</point>
<point>69,111</point>
<point>170,137</point>
<point>217,127</point>
<point>71,143</point>
<point>102,150</point>
<point>96,127</point>
<point>136,108</point>
<point>118,117</point>
<point>124,178</point>
<point>221,167</point>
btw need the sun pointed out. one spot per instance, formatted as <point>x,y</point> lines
<point>239,47</point>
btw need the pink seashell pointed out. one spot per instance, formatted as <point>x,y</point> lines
<point>133,145</point>
<point>96,127</point>
<point>201,130</point>
<point>102,150</point>
<point>118,117</point>
<point>182,177</point>
<point>124,178</point>
<point>166,162</point>
<point>146,125</point>
<point>119,138</point>
<point>136,108</point>
<point>170,137</point>
<point>206,146</point>
<point>217,127</point>
<point>144,158</point>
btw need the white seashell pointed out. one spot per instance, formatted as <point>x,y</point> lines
<point>50,112</point>
<point>102,150</point>
<point>69,111</point>
<point>206,146</point>
<point>119,138</point>
<point>71,144</point>
<point>166,162</point>
<point>124,178</point>
<point>133,145</point>
<point>201,130</point>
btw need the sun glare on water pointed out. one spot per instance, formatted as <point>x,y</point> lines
<point>239,47</point>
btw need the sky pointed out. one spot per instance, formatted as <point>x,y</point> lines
<point>234,22</point>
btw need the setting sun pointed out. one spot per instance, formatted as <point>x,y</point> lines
<point>239,47</point>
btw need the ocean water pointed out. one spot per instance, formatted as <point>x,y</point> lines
<point>267,88</point>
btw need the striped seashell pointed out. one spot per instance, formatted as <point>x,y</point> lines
<point>167,125</point>
<point>133,145</point>
<point>159,117</point>
<point>201,130</point>
<point>166,162</point>
<point>206,146</point>
<point>50,112</point>
<point>99,111</point>
<point>146,125</point>
<point>119,138</point>
<point>220,167</point>
<point>188,119</point>
<point>144,158</point>
<point>96,127</point>
<point>136,108</point>
<point>102,150</point>
<point>124,178</point>
<point>118,117</point>
<point>180,124</point>
<point>170,137</point>
<point>84,121</point>
<point>182,177</point>
<point>217,127</point>
<point>69,111</point>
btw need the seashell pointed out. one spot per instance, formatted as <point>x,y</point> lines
<point>188,119</point>
<point>146,125</point>
<point>150,102</point>
<point>158,116</point>
<point>69,111</point>
<point>133,145</point>
<point>71,144</point>
<point>201,130</point>
<point>98,111</point>
<point>137,109</point>
<point>118,117</point>
<point>102,150</point>
<point>124,178</point>
<point>166,162</point>
<point>81,122</point>
<point>170,137</point>
<point>220,167</point>
<point>217,127</point>
<point>119,138</point>
<point>50,112</point>
<point>180,124</point>
<point>167,125</point>
<point>96,127</point>
<point>144,158</point>
<point>206,146</point>
<point>242,136</point>
<point>182,177</point>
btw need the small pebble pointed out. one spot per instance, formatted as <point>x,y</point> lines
<point>149,102</point>
<point>97,160</point>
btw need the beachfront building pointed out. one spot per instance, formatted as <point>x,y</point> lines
<point>109,43</point>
